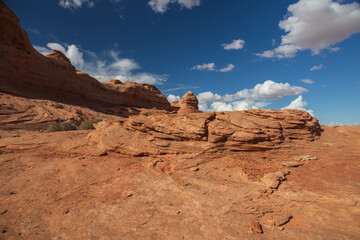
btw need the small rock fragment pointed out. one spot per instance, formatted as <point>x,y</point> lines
<point>104,153</point>
<point>66,211</point>
<point>306,158</point>
<point>273,180</point>
<point>254,227</point>
<point>278,219</point>
<point>195,169</point>
<point>292,164</point>
<point>281,219</point>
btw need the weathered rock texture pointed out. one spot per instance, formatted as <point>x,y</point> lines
<point>188,104</point>
<point>56,186</point>
<point>25,72</point>
<point>205,132</point>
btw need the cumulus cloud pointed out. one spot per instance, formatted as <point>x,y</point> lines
<point>161,6</point>
<point>259,96</point>
<point>307,81</point>
<point>212,67</point>
<point>75,56</point>
<point>237,105</point>
<point>234,45</point>
<point>282,51</point>
<point>104,68</point>
<point>72,4</point>
<point>299,104</point>
<point>315,25</point>
<point>228,68</point>
<point>205,66</point>
<point>316,67</point>
<point>172,98</point>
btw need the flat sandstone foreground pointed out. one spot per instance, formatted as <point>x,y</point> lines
<point>64,185</point>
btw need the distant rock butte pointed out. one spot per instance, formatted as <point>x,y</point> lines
<point>25,72</point>
<point>196,133</point>
<point>188,104</point>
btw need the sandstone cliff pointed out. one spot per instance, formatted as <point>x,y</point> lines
<point>25,72</point>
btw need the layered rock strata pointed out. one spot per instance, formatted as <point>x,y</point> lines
<point>25,72</point>
<point>250,130</point>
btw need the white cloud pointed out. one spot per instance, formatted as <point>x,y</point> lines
<point>316,25</point>
<point>257,97</point>
<point>125,65</point>
<point>228,68</point>
<point>299,104</point>
<point>307,81</point>
<point>43,50</point>
<point>205,66</point>
<point>73,53</point>
<point>316,67</point>
<point>237,105</point>
<point>161,6</point>
<point>266,54</point>
<point>270,90</point>
<point>72,4</point>
<point>334,49</point>
<point>235,44</point>
<point>75,56</point>
<point>108,67</point>
<point>56,46</point>
<point>172,98</point>
<point>282,51</point>
<point>180,87</point>
<point>212,67</point>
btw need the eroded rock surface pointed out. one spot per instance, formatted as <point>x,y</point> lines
<point>205,132</point>
<point>188,104</point>
<point>27,73</point>
<point>55,185</point>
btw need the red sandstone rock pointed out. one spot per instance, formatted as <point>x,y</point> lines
<point>199,182</point>
<point>254,227</point>
<point>206,132</point>
<point>25,72</point>
<point>273,180</point>
<point>188,104</point>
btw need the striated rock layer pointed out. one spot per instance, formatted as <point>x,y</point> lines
<point>188,104</point>
<point>27,73</point>
<point>57,186</point>
<point>205,132</point>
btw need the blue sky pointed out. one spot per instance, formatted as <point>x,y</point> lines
<point>232,54</point>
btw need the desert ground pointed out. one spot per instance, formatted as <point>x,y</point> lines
<point>158,170</point>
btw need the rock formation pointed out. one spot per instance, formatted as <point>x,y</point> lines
<point>25,72</point>
<point>205,132</point>
<point>161,175</point>
<point>188,104</point>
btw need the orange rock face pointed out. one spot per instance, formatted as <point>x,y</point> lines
<point>188,104</point>
<point>58,185</point>
<point>25,72</point>
<point>206,132</point>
